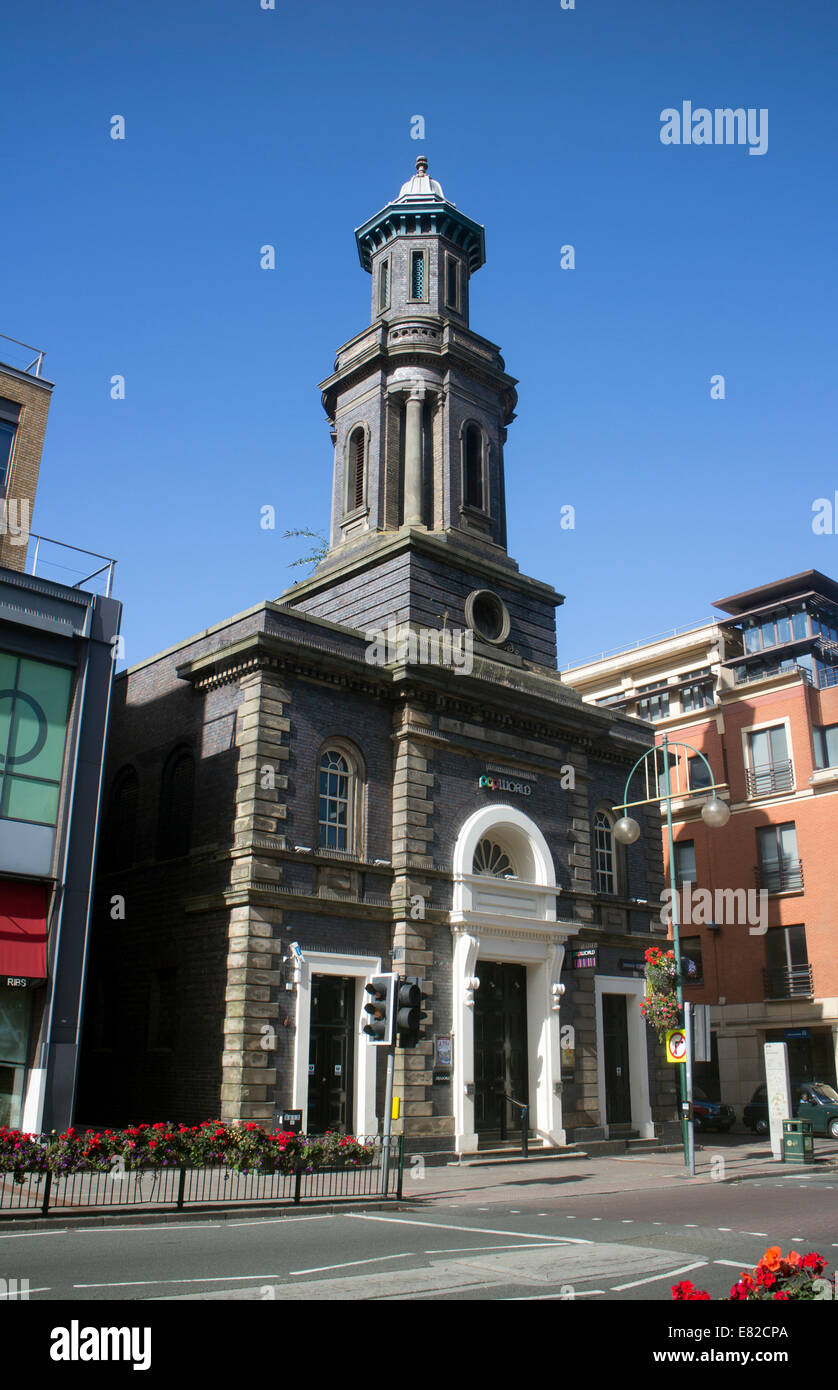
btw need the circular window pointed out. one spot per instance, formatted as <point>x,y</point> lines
<point>488,616</point>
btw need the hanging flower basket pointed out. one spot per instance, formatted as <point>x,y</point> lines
<point>660,1006</point>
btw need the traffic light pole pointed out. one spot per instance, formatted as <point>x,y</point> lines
<point>388,1120</point>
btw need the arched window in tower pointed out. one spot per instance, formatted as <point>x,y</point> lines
<point>356,469</point>
<point>604,857</point>
<point>336,803</point>
<point>174,831</point>
<point>417,274</point>
<point>473,491</point>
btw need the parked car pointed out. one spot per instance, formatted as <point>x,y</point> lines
<point>816,1101</point>
<point>711,1114</point>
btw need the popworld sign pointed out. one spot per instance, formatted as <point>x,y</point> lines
<point>500,784</point>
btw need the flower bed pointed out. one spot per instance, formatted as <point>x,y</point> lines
<point>777,1277</point>
<point>246,1148</point>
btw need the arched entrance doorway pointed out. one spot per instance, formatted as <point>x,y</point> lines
<point>508,942</point>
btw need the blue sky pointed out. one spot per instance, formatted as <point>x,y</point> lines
<point>247,126</point>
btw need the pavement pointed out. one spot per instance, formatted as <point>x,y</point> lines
<point>727,1158</point>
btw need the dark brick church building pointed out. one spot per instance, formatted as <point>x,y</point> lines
<point>381,769</point>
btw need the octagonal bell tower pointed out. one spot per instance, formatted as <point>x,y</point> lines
<point>418,406</point>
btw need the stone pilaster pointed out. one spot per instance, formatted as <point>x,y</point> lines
<point>254,974</point>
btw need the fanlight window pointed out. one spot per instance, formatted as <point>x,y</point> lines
<point>492,861</point>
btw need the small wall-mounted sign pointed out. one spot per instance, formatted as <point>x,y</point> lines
<point>633,964</point>
<point>289,1120</point>
<point>585,958</point>
<point>443,1051</point>
<point>338,1068</point>
<point>502,784</point>
<point>442,1078</point>
<point>20,982</point>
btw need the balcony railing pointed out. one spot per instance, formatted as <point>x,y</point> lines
<point>788,982</point>
<point>770,777</point>
<point>780,878</point>
<point>70,564</point>
<point>22,361</point>
<point>762,673</point>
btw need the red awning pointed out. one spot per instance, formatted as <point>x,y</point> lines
<point>23,930</point>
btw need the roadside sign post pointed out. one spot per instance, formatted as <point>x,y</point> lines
<point>778,1094</point>
<point>688,1017</point>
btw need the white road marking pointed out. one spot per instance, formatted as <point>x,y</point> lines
<point>347,1264</point>
<point>556,1297</point>
<point>736,1264</point>
<point>764,1234</point>
<point>214,1279</point>
<point>653,1278</point>
<point>470,1249</point>
<point>724,1228</point>
<point>27,1235</point>
<point>16,1297</point>
<point>473,1230</point>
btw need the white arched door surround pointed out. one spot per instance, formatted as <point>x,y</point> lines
<point>509,919</point>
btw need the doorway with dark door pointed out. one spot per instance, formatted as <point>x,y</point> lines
<point>616,1060</point>
<point>331,1056</point>
<point>500,1047</point>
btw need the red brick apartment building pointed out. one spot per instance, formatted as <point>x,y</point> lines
<point>756,692</point>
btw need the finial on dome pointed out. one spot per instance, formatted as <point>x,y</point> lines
<point>422,164</point>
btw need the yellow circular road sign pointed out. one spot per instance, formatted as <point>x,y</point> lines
<point>676,1045</point>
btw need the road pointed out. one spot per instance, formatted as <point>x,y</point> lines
<point>535,1235</point>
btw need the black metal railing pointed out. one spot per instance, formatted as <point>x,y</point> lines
<point>525,1119</point>
<point>181,1188</point>
<point>770,777</point>
<point>788,982</point>
<point>786,877</point>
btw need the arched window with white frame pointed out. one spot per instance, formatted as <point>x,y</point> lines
<point>340,783</point>
<point>605,857</point>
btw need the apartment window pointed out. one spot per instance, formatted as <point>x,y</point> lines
<point>787,968</point>
<point>696,696</point>
<point>7,439</point>
<point>769,766</point>
<point>604,864</point>
<point>417,275</point>
<point>384,284</point>
<point>700,775</point>
<point>692,966</point>
<point>654,706</point>
<point>177,790</point>
<point>685,863</point>
<point>780,870</point>
<point>356,469</point>
<point>826,745</point>
<point>34,708</point>
<point>9,418</point>
<point>473,467</point>
<point>452,282</point>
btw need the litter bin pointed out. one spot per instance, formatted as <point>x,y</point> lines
<point>798,1141</point>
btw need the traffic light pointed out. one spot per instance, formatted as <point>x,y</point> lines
<point>409,1012</point>
<point>380,1027</point>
